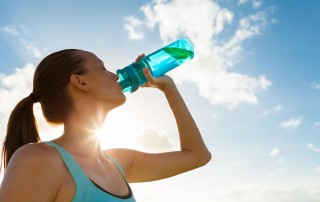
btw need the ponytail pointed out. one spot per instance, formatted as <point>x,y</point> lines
<point>21,129</point>
<point>50,82</point>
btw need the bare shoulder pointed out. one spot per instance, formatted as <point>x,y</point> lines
<point>120,154</point>
<point>36,159</point>
<point>123,156</point>
<point>35,154</point>
<point>128,158</point>
<point>117,154</point>
<point>41,149</point>
<point>31,167</point>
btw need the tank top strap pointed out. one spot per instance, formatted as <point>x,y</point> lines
<point>75,170</point>
<point>116,162</point>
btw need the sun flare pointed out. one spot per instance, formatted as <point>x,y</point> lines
<point>113,134</point>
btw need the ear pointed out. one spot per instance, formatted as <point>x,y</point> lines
<point>78,82</point>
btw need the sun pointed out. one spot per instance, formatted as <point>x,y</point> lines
<point>114,134</point>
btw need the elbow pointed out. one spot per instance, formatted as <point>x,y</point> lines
<point>206,158</point>
<point>199,159</point>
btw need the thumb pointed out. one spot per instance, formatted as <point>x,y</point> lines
<point>151,80</point>
<point>148,75</point>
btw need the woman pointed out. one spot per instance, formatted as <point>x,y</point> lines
<point>76,90</point>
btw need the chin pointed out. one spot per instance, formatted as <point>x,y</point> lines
<point>121,100</point>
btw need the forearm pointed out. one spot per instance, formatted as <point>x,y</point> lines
<point>191,142</point>
<point>193,153</point>
<point>190,136</point>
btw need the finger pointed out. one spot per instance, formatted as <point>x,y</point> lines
<point>146,72</point>
<point>148,75</point>
<point>139,58</point>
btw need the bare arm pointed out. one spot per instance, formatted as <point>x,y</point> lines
<point>193,152</point>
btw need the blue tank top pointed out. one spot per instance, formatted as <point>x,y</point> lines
<point>87,190</point>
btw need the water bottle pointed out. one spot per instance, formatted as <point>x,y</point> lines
<point>159,63</point>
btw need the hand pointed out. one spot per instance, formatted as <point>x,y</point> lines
<point>139,57</point>
<point>163,83</point>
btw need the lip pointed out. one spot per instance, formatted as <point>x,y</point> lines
<point>118,86</point>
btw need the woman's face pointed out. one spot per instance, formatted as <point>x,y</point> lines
<point>102,84</point>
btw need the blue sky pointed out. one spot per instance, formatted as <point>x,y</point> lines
<point>253,86</point>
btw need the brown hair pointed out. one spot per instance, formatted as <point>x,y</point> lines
<point>49,88</point>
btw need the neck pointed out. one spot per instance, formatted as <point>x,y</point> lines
<point>79,136</point>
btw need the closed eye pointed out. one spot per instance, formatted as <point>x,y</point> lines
<point>102,64</point>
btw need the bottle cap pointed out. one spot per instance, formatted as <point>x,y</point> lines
<point>128,79</point>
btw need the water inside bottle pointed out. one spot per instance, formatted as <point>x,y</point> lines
<point>179,54</point>
<point>166,59</point>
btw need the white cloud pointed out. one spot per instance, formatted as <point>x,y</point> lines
<point>230,89</point>
<point>154,140</point>
<point>15,30</point>
<point>312,147</point>
<point>317,169</point>
<point>315,85</point>
<point>13,88</point>
<point>274,152</point>
<point>248,27</point>
<point>230,189</point>
<point>241,2</point>
<point>265,113</point>
<point>202,22</point>
<point>29,45</point>
<point>292,191</point>
<point>134,26</point>
<point>256,4</point>
<point>276,109</point>
<point>224,17</point>
<point>18,31</point>
<point>317,124</point>
<point>291,123</point>
<point>10,29</point>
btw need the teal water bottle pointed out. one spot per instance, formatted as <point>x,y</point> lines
<point>159,63</point>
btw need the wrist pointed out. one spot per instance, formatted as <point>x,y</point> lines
<point>168,88</point>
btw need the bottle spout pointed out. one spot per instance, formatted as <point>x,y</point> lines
<point>127,79</point>
<point>124,85</point>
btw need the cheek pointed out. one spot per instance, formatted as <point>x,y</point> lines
<point>101,82</point>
